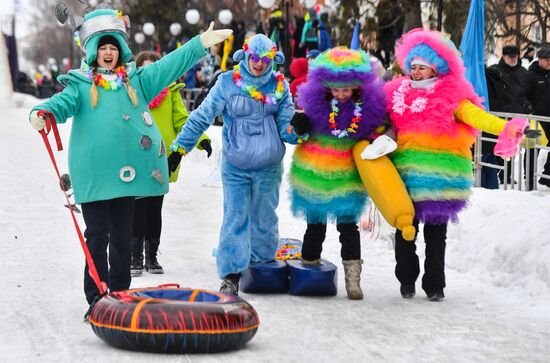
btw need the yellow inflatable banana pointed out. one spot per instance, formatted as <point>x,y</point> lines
<point>387,190</point>
<point>227,47</point>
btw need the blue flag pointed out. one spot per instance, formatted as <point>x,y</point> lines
<point>472,46</point>
<point>355,38</point>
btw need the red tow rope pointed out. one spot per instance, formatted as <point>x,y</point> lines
<point>52,125</point>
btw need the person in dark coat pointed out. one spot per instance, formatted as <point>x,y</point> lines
<point>534,95</point>
<point>503,81</point>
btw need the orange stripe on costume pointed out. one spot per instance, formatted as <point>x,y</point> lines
<point>458,145</point>
<point>323,162</point>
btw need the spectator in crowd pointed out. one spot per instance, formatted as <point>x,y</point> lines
<point>298,70</point>
<point>299,49</point>
<point>503,81</point>
<point>170,115</point>
<point>323,34</point>
<point>309,38</point>
<point>534,95</point>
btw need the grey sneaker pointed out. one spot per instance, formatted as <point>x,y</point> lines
<point>230,284</point>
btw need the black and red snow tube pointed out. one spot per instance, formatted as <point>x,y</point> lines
<point>174,320</point>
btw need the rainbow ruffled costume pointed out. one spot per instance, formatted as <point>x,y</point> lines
<point>325,185</point>
<point>436,127</point>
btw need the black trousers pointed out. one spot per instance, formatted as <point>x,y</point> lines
<point>315,236</point>
<point>148,218</point>
<point>407,266</point>
<point>109,225</point>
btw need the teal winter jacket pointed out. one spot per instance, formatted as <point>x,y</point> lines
<point>115,149</point>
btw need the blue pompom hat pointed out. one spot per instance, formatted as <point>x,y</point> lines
<point>261,46</point>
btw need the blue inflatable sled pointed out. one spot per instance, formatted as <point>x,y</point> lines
<point>288,274</point>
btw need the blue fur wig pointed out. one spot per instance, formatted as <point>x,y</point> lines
<point>425,52</point>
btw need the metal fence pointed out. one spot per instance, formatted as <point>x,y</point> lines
<point>190,96</point>
<point>534,144</point>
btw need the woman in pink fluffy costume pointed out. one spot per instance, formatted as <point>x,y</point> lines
<point>435,112</point>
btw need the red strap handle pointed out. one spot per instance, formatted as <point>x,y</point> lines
<point>52,125</point>
<point>176,286</point>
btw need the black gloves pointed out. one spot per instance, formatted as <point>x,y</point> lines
<point>530,133</point>
<point>205,144</point>
<point>528,108</point>
<point>301,123</point>
<point>173,161</point>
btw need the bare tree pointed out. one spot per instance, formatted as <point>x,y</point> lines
<point>518,18</point>
<point>413,15</point>
<point>47,37</point>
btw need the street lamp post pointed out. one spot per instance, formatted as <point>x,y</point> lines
<point>149,29</point>
<point>139,38</point>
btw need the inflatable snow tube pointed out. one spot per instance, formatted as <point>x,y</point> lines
<point>174,320</point>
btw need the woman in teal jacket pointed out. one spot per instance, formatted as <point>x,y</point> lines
<point>116,152</point>
<point>170,115</point>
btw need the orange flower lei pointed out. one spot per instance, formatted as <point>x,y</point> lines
<point>112,84</point>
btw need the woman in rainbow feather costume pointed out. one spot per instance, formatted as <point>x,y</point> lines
<point>325,184</point>
<point>435,112</point>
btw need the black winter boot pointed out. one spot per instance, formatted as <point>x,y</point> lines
<point>137,257</point>
<point>151,263</point>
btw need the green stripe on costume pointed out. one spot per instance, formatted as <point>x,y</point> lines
<point>432,162</point>
<point>313,180</point>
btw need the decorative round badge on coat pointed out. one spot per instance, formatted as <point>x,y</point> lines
<point>127,174</point>
<point>126,117</point>
<point>157,175</point>
<point>147,118</point>
<point>145,142</point>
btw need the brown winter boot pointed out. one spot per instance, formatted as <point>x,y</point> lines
<point>352,270</point>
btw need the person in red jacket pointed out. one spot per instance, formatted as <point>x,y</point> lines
<point>298,70</point>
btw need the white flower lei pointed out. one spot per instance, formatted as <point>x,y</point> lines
<point>417,105</point>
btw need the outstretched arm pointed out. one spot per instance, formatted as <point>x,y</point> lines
<point>200,119</point>
<point>157,76</point>
<point>62,105</point>
<point>478,118</point>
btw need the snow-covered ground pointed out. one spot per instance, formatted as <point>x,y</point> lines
<point>498,275</point>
